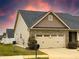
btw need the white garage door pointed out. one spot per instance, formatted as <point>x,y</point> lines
<point>51,41</point>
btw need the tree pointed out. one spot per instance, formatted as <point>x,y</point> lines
<point>1,37</point>
<point>4,35</point>
<point>32,42</point>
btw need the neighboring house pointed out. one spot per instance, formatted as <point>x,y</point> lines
<point>8,37</point>
<point>51,30</point>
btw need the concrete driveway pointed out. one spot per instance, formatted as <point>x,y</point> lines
<point>62,53</point>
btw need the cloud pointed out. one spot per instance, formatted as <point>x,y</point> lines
<point>38,5</point>
<point>41,5</point>
<point>2,13</point>
<point>11,20</point>
<point>12,16</point>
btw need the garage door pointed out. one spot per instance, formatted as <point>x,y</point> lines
<point>51,41</point>
<point>57,40</point>
<point>43,41</point>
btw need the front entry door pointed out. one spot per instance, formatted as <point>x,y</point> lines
<point>72,36</point>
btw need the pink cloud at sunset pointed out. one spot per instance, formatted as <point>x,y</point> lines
<point>9,23</point>
<point>41,5</point>
<point>11,20</point>
<point>38,5</point>
<point>12,16</point>
<point>2,13</point>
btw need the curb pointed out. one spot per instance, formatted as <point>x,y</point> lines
<point>33,56</point>
<point>23,56</point>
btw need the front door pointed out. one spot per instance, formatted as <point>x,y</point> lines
<point>72,36</point>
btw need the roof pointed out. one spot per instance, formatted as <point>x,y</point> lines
<point>71,21</point>
<point>10,33</point>
<point>31,17</point>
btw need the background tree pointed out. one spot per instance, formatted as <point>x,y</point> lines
<point>4,35</point>
<point>0,37</point>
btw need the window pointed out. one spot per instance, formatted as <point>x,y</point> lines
<point>39,35</point>
<point>20,35</point>
<point>46,35</point>
<point>61,34</point>
<point>53,35</point>
<point>50,17</point>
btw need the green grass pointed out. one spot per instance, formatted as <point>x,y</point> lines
<point>8,50</point>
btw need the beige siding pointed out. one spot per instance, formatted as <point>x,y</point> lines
<point>21,28</point>
<point>50,32</point>
<point>78,37</point>
<point>67,38</point>
<point>54,24</point>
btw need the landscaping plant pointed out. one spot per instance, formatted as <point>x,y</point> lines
<point>32,43</point>
<point>72,45</point>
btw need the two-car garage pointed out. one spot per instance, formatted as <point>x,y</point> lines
<point>56,40</point>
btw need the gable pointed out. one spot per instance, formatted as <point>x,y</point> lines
<point>46,23</point>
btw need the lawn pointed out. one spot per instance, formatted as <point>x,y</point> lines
<point>8,50</point>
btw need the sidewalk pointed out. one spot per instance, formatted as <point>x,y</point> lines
<point>11,57</point>
<point>22,56</point>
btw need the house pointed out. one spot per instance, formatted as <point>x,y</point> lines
<point>51,30</point>
<point>8,37</point>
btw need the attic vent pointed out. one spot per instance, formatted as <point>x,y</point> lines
<point>50,17</point>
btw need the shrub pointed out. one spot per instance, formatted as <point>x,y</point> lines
<point>72,45</point>
<point>32,43</point>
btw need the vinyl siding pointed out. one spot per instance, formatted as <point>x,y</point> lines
<point>78,37</point>
<point>21,29</point>
<point>55,23</point>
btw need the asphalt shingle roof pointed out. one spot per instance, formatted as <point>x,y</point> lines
<point>70,20</point>
<point>10,33</point>
<point>31,17</point>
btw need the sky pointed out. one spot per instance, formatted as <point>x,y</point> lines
<point>9,8</point>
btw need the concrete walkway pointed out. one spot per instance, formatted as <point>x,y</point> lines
<point>11,57</point>
<point>22,56</point>
<point>62,53</point>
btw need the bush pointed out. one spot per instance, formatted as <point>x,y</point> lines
<point>32,43</point>
<point>72,45</point>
